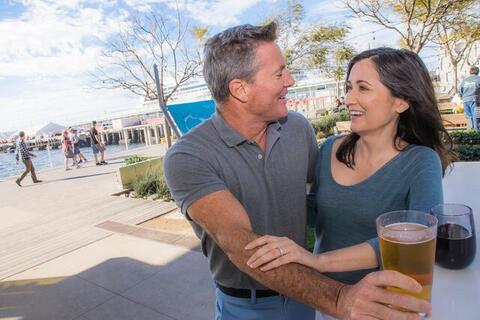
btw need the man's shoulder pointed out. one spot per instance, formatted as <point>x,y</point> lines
<point>294,120</point>
<point>196,141</point>
<point>297,117</point>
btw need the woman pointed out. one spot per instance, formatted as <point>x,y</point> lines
<point>393,160</point>
<point>67,148</point>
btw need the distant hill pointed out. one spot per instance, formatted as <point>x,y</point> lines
<point>50,129</point>
<point>6,134</point>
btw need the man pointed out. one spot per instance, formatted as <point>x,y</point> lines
<point>21,152</point>
<point>470,94</point>
<point>97,145</point>
<point>243,173</point>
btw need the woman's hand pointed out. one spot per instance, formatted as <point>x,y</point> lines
<point>276,251</point>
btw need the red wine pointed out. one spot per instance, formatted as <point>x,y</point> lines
<point>455,246</point>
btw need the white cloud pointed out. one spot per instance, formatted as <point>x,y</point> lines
<point>45,56</point>
<point>51,39</point>
<point>218,13</point>
<point>211,13</point>
<point>330,11</point>
<point>69,103</point>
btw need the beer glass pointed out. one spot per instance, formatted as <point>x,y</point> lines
<point>407,245</point>
<point>455,237</point>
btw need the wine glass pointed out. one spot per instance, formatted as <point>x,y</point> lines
<point>456,246</point>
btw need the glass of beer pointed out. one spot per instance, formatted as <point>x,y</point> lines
<point>456,245</point>
<point>407,245</point>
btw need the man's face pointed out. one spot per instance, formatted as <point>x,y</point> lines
<point>266,94</point>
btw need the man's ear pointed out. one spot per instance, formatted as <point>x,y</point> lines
<point>238,89</point>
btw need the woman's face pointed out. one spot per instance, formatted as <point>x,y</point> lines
<point>372,107</point>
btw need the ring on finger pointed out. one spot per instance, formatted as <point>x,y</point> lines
<point>281,251</point>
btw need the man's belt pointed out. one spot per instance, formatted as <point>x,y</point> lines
<point>246,293</point>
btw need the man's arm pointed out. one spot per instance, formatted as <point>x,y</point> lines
<point>225,220</point>
<point>99,139</point>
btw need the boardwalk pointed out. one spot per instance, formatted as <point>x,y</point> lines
<point>44,221</point>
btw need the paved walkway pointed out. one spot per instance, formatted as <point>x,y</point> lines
<point>71,250</point>
<point>43,221</point>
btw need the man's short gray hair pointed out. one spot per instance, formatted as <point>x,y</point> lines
<point>231,55</point>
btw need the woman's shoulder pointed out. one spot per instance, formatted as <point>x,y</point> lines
<point>421,156</point>
<point>421,152</point>
<point>332,142</point>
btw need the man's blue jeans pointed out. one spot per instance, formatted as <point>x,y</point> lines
<point>470,111</point>
<point>269,308</point>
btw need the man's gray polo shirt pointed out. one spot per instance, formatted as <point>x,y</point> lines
<point>271,186</point>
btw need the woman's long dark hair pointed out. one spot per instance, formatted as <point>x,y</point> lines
<point>407,78</point>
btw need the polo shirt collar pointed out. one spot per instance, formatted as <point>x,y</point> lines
<point>230,136</point>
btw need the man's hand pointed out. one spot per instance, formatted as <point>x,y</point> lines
<point>369,300</point>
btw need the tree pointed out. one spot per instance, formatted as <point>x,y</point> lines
<point>307,47</point>
<point>415,21</point>
<point>151,39</point>
<point>336,68</point>
<point>457,37</point>
<point>290,24</point>
<point>200,34</point>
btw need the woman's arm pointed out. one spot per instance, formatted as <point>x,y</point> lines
<point>426,188</point>
<point>357,257</point>
<point>274,251</point>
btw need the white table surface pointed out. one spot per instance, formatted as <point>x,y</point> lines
<point>456,293</point>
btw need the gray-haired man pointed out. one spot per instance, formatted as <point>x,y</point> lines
<point>243,173</point>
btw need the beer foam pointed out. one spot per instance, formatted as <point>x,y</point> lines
<point>407,233</point>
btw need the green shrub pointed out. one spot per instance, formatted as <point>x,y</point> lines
<point>466,137</point>
<point>135,159</point>
<point>468,152</point>
<point>162,189</point>
<point>325,126</point>
<point>153,182</point>
<point>146,185</point>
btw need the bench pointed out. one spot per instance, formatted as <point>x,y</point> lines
<point>454,121</point>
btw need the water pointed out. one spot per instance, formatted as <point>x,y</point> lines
<point>8,167</point>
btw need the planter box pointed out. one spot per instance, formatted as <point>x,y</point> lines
<point>127,174</point>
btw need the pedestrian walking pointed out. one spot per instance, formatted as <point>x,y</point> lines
<point>97,145</point>
<point>23,154</point>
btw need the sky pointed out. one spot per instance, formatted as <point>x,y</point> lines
<point>49,49</point>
